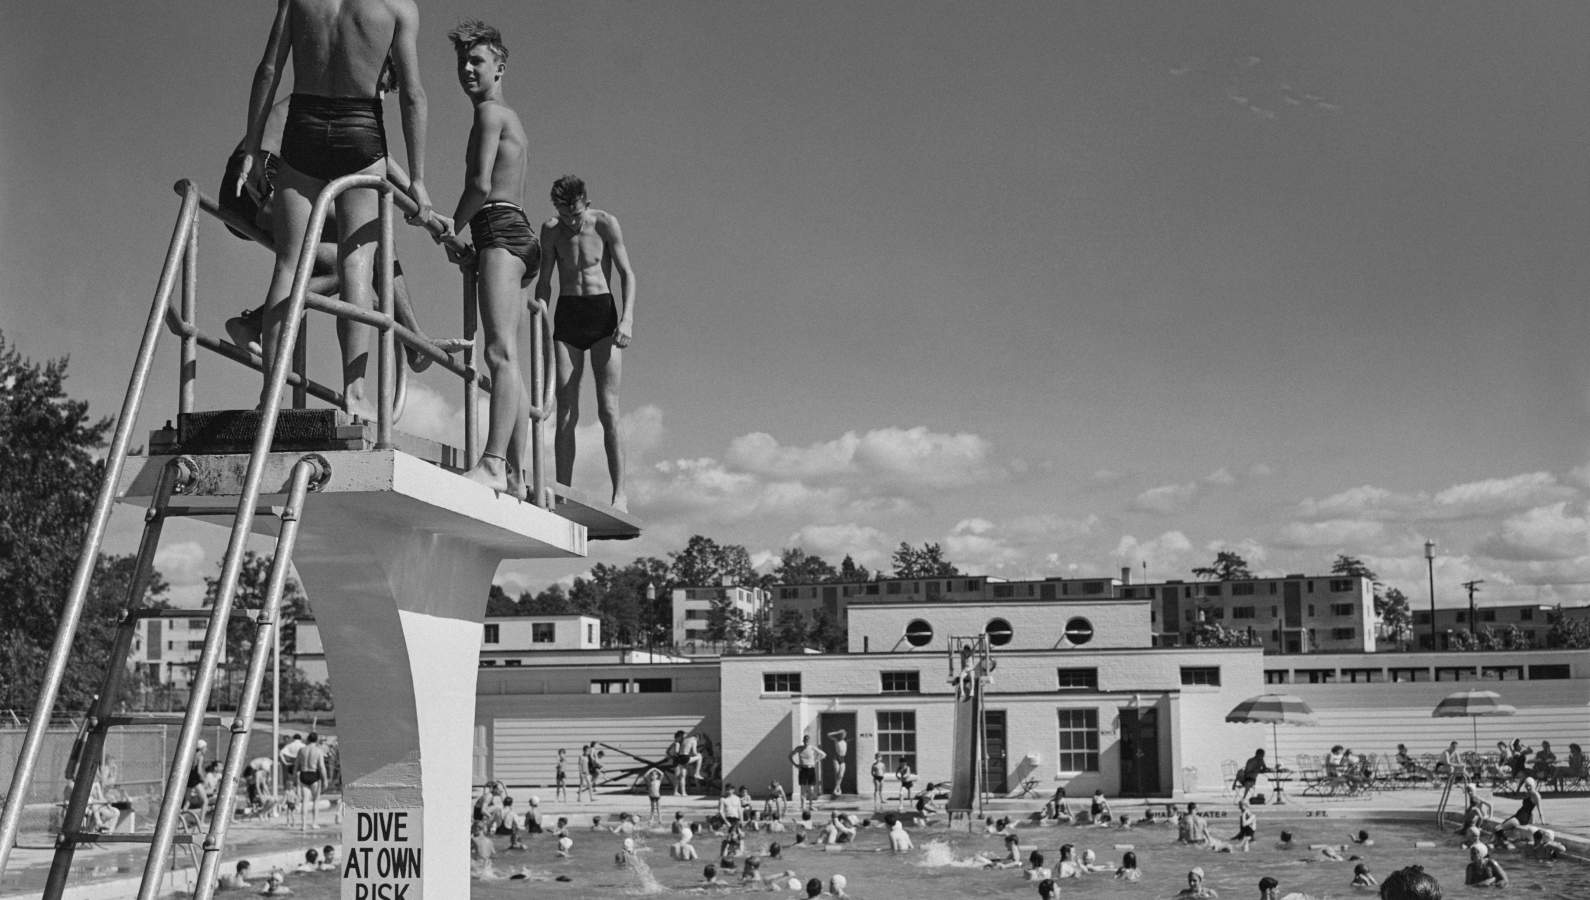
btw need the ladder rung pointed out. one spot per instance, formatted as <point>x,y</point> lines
<point>453,345</point>
<point>218,511</point>
<point>92,837</point>
<point>122,720</point>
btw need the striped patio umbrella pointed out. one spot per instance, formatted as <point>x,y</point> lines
<point>1273,710</point>
<point>1472,704</point>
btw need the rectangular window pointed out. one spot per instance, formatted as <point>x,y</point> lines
<point>609,685</point>
<point>695,615</point>
<point>1211,590</point>
<point>1502,673</point>
<point>1311,610</point>
<point>893,588</point>
<point>1078,679</point>
<point>1004,590</point>
<point>902,682</point>
<point>1273,587</point>
<point>1277,676</point>
<point>1201,675</point>
<point>543,632</point>
<point>781,682</point>
<point>491,633</point>
<point>1079,740</point>
<point>1549,673</point>
<point>1093,587</point>
<point>1358,676</point>
<point>1214,614</point>
<point>654,685</point>
<point>1343,609</point>
<point>488,663</point>
<point>1487,615</point>
<point>1244,612</point>
<point>897,738</point>
<point>872,589</point>
<point>1526,615</point>
<point>197,624</point>
<point>1454,673</point>
<point>195,645</point>
<point>1421,617</point>
<point>590,633</point>
<point>1245,589</point>
<point>1341,585</point>
<point>1402,676</point>
<point>1343,634</point>
<point>513,662</point>
<point>1311,585</point>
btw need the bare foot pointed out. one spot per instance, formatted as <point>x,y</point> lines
<point>620,501</point>
<point>244,330</point>
<point>418,362</point>
<point>518,488</point>
<point>491,471</point>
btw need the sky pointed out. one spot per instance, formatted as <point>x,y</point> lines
<point>1064,287</point>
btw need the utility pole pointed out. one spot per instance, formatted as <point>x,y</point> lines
<point>1472,586</point>
<point>1429,557</point>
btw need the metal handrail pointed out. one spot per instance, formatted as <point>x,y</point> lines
<point>185,326</point>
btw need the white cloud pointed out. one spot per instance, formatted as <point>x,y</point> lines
<point>1221,477</point>
<point>1367,501</point>
<point>1335,533</point>
<point>1486,497</point>
<point>183,563</point>
<point>833,542</point>
<point>1260,470</point>
<point>1165,499</point>
<point>909,458</point>
<point>1543,533</point>
<point>1164,554</point>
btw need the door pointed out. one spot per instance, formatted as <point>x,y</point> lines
<point>829,727</point>
<point>995,766</point>
<point>1139,752</point>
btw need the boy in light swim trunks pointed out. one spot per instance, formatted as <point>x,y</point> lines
<point>334,129</point>
<point>505,250</point>
<point>586,244</point>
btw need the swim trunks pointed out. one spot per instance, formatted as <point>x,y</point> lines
<point>329,137</point>
<point>503,224</point>
<point>582,321</point>
<point>308,779</point>
<point>808,775</point>
<point>234,199</point>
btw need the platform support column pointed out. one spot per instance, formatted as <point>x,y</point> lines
<point>400,613</point>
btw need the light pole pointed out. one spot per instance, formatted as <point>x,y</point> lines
<point>1429,558</point>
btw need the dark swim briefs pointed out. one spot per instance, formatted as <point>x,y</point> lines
<point>234,199</point>
<point>807,775</point>
<point>502,224</point>
<point>329,137</point>
<point>309,779</point>
<point>582,321</point>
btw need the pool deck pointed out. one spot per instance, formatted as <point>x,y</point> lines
<point>269,845</point>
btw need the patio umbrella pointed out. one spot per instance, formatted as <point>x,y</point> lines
<point>1273,710</point>
<point>1472,704</point>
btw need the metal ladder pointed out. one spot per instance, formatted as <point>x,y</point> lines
<point>310,471</point>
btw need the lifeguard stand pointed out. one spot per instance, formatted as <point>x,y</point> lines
<point>396,548</point>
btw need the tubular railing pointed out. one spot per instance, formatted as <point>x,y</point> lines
<point>182,321</point>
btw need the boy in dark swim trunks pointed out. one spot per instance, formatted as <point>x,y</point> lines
<point>586,244</point>
<point>334,129</point>
<point>505,251</point>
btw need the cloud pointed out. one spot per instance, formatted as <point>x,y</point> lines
<point>1165,499</point>
<point>1165,553</point>
<point>863,543</point>
<point>1260,470</point>
<point>910,458</point>
<point>1220,477</point>
<point>1543,533</point>
<point>1486,497</point>
<point>182,564</point>
<point>1335,533</point>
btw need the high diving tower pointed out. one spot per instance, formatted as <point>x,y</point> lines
<point>395,547</point>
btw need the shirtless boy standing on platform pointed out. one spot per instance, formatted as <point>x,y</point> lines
<point>587,244</point>
<point>506,253</point>
<point>334,129</point>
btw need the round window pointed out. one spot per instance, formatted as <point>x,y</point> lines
<point>1079,630</point>
<point>999,632</point>
<point>918,633</point>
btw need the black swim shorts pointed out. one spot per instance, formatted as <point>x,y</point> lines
<point>329,137</point>
<point>309,779</point>
<point>235,199</point>
<point>808,774</point>
<point>502,224</point>
<point>581,322</point>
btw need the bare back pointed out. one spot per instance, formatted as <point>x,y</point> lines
<point>508,163</point>
<point>339,46</point>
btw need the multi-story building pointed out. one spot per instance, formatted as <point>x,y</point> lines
<point>1292,614</point>
<point>167,645</point>
<point>507,641</point>
<point>692,614</point>
<point>1530,619</point>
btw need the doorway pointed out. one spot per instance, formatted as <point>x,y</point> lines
<point>1140,752</point>
<point>995,768</point>
<point>827,724</point>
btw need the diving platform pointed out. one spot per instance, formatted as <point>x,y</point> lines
<point>231,432</point>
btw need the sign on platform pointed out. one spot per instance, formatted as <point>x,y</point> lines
<point>384,855</point>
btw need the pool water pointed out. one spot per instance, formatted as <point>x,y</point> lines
<point>941,865</point>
